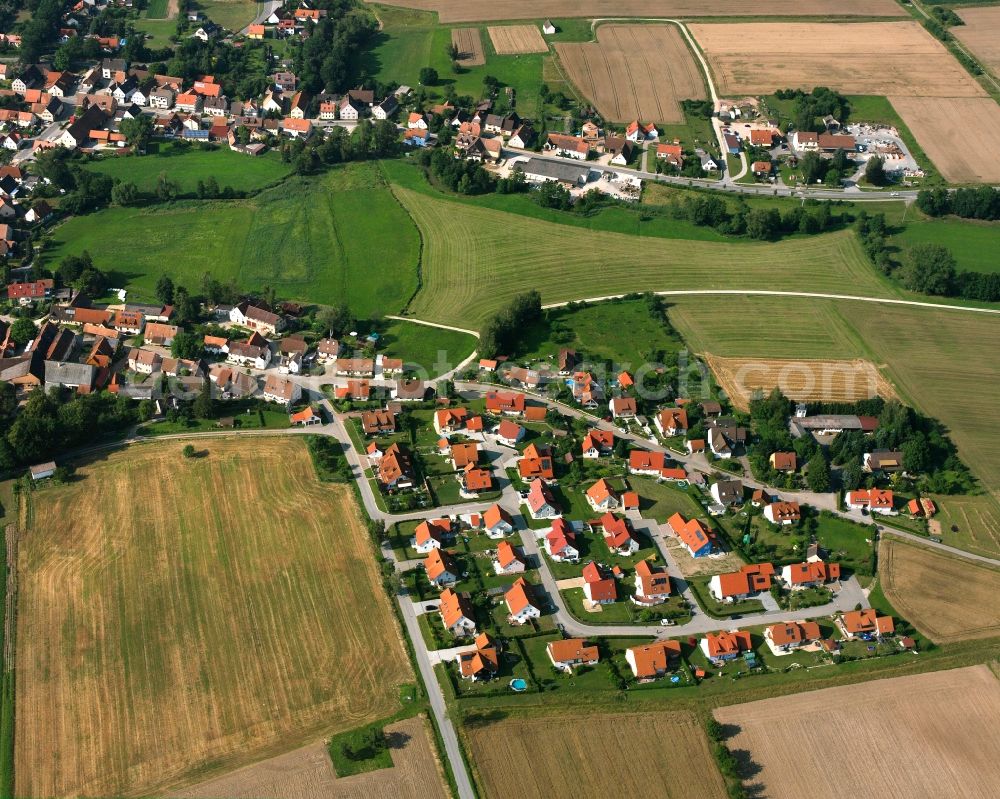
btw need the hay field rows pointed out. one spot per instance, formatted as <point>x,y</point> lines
<point>945,597</point>
<point>798,379</point>
<point>307,773</point>
<point>469,44</point>
<point>961,135</point>
<point>976,518</point>
<point>567,753</point>
<point>888,58</point>
<point>635,72</point>
<point>517,39</point>
<point>178,616</point>
<point>477,259</point>
<point>981,34</point>
<point>487,10</point>
<point>827,744</point>
<point>958,380</point>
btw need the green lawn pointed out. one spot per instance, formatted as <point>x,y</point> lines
<point>660,501</point>
<point>429,348</point>
<point>973,243</point>
<point>187,165</point>
<point>622,332</point>
<point>846,542</point>
<point>338,237</point>
<point>157,9</point>
<point>233,15</point>
<point>159,30</point>
<point>254,419</point>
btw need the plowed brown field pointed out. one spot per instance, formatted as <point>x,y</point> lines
<point>821,381</point>
<point>483,10</point>
<point>469,44</point>
<point>307,773</point>
<point>182,615</point>
<point>517,39</point>
<point>938,731</point>
<point>947,598</point>
<point>566,753</point>
<point>635,72</point>
<point>887,58</point>
<point>981,34</point>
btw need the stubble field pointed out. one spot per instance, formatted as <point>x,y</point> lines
<point>816,380</point>
<point>941,728</point>
<point>182,616</point>
<point>307,773</point>
<point>961,135</point>
<point>568,753</point>
<point>517,39</point>
<point>882,58</point>
<point>945,597</point>
<point>483,10</point>
<point>635,72</point>
<point>469,44</point>
<point>981,34</point>
<point>971,523</point>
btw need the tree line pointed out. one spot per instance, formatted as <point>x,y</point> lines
<point>500,332</point>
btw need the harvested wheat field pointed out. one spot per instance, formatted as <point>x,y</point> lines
<point>517,39</point>
<point>888,58</point>
<point>980,34</point>
<point>970,522</point>
<point>961,135</point>
<point>822,381</point>
<point>567,752</point>
<point>946,597</point>
<point>635,72</point>
<point>941,728</point>
<point>307,773</point>
<point>484,10</point>
<point>469,44</point>
<point>182,616</point>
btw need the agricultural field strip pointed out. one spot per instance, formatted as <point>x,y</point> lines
<point>635,71</point>
<point>882,58</point>
<point>941,725</point>
<point>517,39</point>
<point>476,259</point>
<point>136,694</point>
<point>469,44</point>
<point>450,11</point>
<point>981,34</point>
<point>947,598</point>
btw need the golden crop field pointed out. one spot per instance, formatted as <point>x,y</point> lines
<point>180,616</point>
<point>307,773</point>
<point>981,34</point>
<point>483,10</point>
<point>888,58</point>
<point>961,135</point>
<point>798,379</point>
<point>956,381</point>
<point>946,597</point>
<point>635,72</point>
<point>927,735</point>
<point>566,754</point>
<point>476,259</point>
<point>517,39</point>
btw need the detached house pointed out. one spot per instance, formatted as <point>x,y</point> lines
<point>727,492</point>
<point>570,653</point>
<point>497,522</point>
<point>618,535</point>
<point>747,582</point>
<point>281,390</point>
<point>430,534</point>
<point>652,584</point>
<point>875,500</point>
<point>507,560</point>
<point>441,569</point>
<point>599,586</point>
<point>395,468</point>
<point>866,624</point>
<point>456,613</point>
<point>597,443</point>
<point>536,463</point>
<point>254,318</point>
<point>698,539</point>
<point>559,542</point>
<point>671,422</point>
<point>567,146</point>
<point>602,497</point>
<point>482,663</point>
<point>783,513</point>
<point>378,422</point>
<point>522,605</point>
<point>724,646</point>
<point>652,661</point>
<point>540,503</point>
<point>504,402</point>
<point>809,574</point>
<point>623,408</point>
<point>792,635</point>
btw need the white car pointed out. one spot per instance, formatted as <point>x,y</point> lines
<point>667,622</point>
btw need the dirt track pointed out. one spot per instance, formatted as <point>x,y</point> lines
<point>486,10</point>
<point>921,737</point>
<point>635,72</point>
<point>307,773</point>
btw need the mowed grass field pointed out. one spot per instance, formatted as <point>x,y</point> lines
<point>180,616</point>
<point>233,15</point>
<point>186,166</point>
<point>933,734</point>
<point>957,379</point>
<point>972,523</point>
<point>475,259</point>
<point>947,598</point>
<point>475,10</point>
<point>635,72</point>
<point>668,755</point>
<point>338,237</point>
<point>971,242</point>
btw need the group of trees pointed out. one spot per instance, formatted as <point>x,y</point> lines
<point>455,174</point>
<point>499,333</point>
<point>769,416</point>
<point>979,203</point>
<point>711,210</point>
<point>324,61</point>
<point>809,108</point>
<point>829,171</point>
<point>79,272</point>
